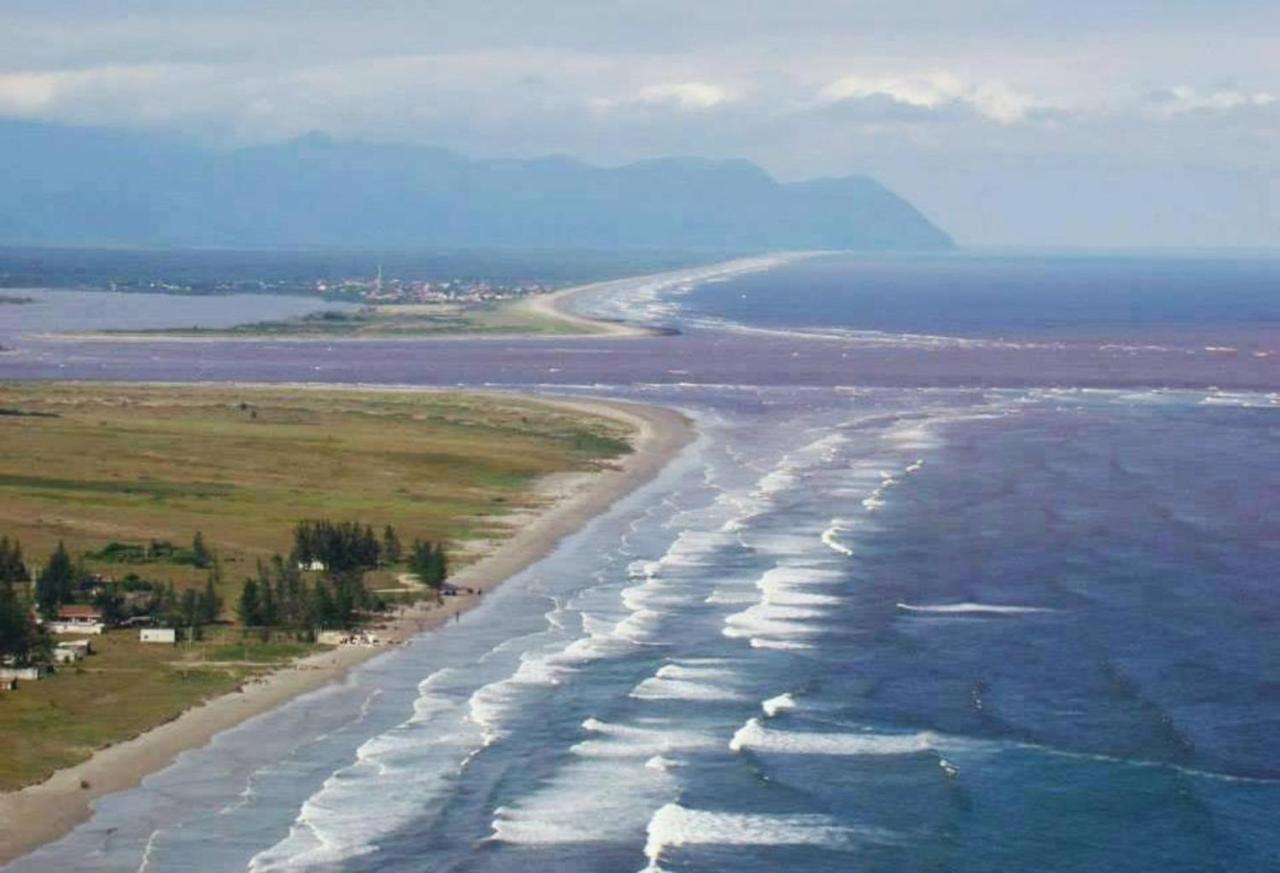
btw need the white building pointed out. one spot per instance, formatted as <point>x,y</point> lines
<point>158,635</point>
<point>77,620</point>
<point>67,655</point>
<point>35,671</point>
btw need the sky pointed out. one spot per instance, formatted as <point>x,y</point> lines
<point>1086,123</point>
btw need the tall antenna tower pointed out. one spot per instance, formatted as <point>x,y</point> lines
<point>377,283</point>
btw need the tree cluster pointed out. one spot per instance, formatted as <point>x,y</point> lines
<point>280,597</point>
<point>429,564</point>
<point>13,569</point>
<point>21,639</point>
<point>189,608</point>
<point>61,579</point>
<point>57,582</point>
<point>198,555</point>
<point>341,546</point>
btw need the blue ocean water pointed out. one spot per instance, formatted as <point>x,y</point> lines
<point>852,627</point>
<point>1022,296</point>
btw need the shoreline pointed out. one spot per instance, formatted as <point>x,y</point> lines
<point>553,306</point>
<point>556,305</point>
<point>41,813</point>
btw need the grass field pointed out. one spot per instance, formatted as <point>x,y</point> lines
<point>91,464</point>
<point>121,690</point>
<point>402,320</point>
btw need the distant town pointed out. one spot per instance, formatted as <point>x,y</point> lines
<point>375,290</point>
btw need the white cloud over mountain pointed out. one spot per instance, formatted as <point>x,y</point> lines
<point>938,100</point>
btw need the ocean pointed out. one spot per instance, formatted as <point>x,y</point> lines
<point>967,571</point>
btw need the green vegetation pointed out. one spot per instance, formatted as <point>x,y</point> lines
<point>101,481</point>
<point>21,641</point>
<point>121,690</point>
<point>416,319</point>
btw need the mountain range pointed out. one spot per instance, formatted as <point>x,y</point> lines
<point>62,185</point>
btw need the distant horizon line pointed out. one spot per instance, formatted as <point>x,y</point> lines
<point>961,249</point>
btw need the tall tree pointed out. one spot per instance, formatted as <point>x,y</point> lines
<point>56,582</point>
<point>189,607</point>
<point>200,554</point>
<point>17,632</point>
<point>210,602</point>
<point>12,567</point>
<point>249,608</point>
<point>390,545</point>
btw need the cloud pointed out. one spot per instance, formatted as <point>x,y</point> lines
<point>924,96</point>
<point>689,96</point>
<point>1183,100</point>
<point>107,94</point>
<point>27,93</point>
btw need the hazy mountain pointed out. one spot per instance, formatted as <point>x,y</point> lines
<point>63,185</point>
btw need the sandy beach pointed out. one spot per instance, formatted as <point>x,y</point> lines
<point>43,812</point>
<point>554,306</point>
<point>557,304</point>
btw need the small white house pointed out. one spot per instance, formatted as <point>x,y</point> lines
<point>314,564</point>
<point>158,635</point>
<point>29,674</point>
<point>67,654</point>
<point>84,647</point>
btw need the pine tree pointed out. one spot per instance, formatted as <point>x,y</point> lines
<point>322,608</point>
<point>390,545</point>
<point>12,568</point>
<point>56,582</point>
<point>249,607</point>
<point>439,567</point>
<point>210,602</point>
<point>200,554</point>
<point>268,614</point>
<point>17,632</point>
<point>189,607</point>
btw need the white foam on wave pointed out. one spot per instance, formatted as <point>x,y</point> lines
<point>775,705</point>
<point>783,617</point>
<point>779,645</point>
<point>652,299</point>
<point>1244,399</point>
<point>606,792</point>
<point>640,740</point>
<point>714,669</point>
<point>402,766</point>
<point>777,481</point>
<point>638,627</point>
<point>771,623</point>
<point>732,596</point>
<point>971,609</point>
<point>674,826</point>
<point>700,679</point>
<point>658,688</point>
<point>831,538</point>
<point>755,737</point>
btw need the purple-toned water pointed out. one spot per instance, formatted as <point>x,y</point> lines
<point>915,600</point>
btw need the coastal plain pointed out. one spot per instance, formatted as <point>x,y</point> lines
<point>500,478</point>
